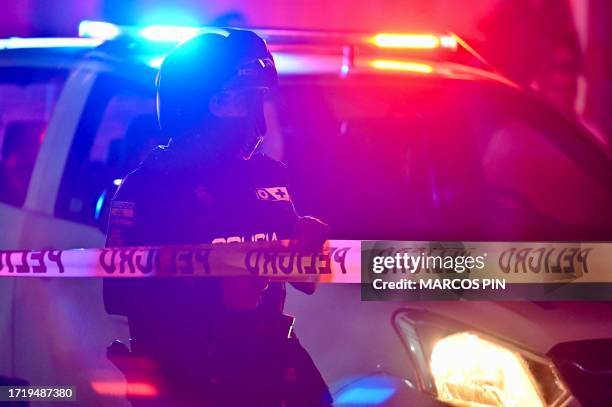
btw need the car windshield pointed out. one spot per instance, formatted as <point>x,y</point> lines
<point>28,97</point>
<point>425,159</point>
<point>440,160</point>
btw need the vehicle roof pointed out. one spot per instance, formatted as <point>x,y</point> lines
<point>67,52</point>
<point>130,59</point>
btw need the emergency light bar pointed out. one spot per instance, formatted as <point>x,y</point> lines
<point>98,29</point>
<point>17,42</point>
<point>157,40</point>
<point>169,33</point>
<point>406,66</point>
<point>414,41</point>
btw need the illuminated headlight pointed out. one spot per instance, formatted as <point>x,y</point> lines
<point>470,370</point>
<point>464,368</point>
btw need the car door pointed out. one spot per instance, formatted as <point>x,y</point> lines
<point>33,119</point>
<point>62,322</point>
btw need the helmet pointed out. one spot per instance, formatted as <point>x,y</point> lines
<point>204,65</point>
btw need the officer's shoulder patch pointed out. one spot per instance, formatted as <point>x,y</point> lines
<point>122,212</point>
<point>273,194</point>
<point>122,204</point>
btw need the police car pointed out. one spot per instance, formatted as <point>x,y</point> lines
<point>386,136</point>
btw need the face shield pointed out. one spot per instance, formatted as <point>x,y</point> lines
<point>257,121</point>
<point>239,123</point>
<point>231,69</point>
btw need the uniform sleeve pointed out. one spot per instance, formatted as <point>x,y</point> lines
<point>128,226</point>
<point>309,231</point>
<point>279,190</point>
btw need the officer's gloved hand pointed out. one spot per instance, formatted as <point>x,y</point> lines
<point>311,234</point>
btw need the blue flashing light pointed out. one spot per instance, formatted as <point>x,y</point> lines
<point>101,30</point>
<point>169,16</point>
<point>100,205</point>
<point>155,62</point>
<point>366,395</point>
<point>168,33</point>
<point>98,29</point>
<point>371,390</point>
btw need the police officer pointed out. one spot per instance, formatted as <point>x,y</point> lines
<point>212,342</point>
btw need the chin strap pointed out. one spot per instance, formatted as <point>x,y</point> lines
<point>249,150</point>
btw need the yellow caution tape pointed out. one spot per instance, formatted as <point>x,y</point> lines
<point>340,261</point>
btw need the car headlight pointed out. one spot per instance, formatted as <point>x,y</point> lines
<point>463,367</point>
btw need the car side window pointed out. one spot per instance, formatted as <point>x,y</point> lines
<point>522,158</point>
<point>354,157</point>
<point>514,168</point>
<point>117,131</point>
<point>27,101</point>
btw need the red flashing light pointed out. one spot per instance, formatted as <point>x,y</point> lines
<point>122,389</point>
<point>406,66</point>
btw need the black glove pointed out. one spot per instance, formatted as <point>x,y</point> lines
<point>311,234</point>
